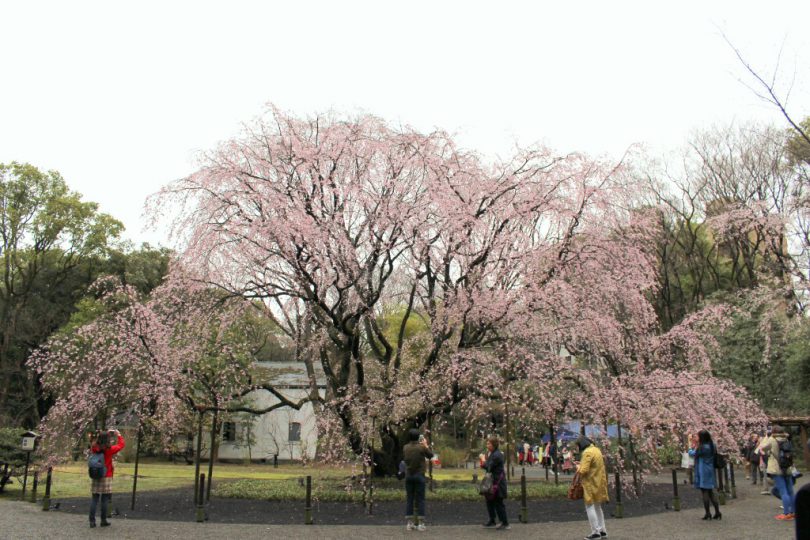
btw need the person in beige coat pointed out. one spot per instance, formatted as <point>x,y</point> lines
<point>780,473</point>
<point>591,469</point>
<point>764,444</point>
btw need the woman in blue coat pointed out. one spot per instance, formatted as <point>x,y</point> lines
<point>704,452</point>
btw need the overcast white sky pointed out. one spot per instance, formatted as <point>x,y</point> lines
<point>119,97</point>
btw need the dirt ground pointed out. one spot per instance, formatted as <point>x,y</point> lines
<point>177,505</point>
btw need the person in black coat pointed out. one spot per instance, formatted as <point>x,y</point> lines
<point>495,466</point>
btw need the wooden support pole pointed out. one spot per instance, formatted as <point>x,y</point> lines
<point>137,462</point>
<point>730,473</point>
<point>201,499</point>
<point>25,474</point>
<point>676,500</point>
<point>524,508</point>
<point>211,456</point>
<point>197,459</point>
<point>46,501</point>
<point>721,494</point>
<point>34,487</point>
<point>308,503</point>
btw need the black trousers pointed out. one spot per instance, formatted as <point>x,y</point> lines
<point>496,506</point>
<point>105,500</point>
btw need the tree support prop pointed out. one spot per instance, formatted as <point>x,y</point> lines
<point>46,501</point>
<point>524,509</point>
<point>308,508</point>
<point>676,500</point>
<point>201,499</point>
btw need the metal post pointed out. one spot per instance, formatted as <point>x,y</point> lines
<point>371,478</point>
<point>508,449</point>
<point>430,461</point>
<point>365,484</point>
<point>308,507</point>
<point>201,499</point>
<point>137,459</point>
<point>25,475</point>
<point>733,483</point>
<point>676,500</point>
<point>524,509</point>
<point>46,501</point>
<point>552,453</point>
<point>370,487</point>
<point>619,505</point>
<point>34,487</point>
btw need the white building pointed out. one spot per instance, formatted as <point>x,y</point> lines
<point>285,432</point>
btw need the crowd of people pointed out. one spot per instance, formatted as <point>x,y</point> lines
<point>769,461</point>
<point>545,454</point>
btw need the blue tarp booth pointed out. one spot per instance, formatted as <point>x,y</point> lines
<point>563,435</point>
<point>570,432</point>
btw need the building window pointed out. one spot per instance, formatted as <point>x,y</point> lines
<point>229,431</point>
<point>295,432</point>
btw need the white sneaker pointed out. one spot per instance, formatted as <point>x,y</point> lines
<point>410,526</point>
<point>421,527</point>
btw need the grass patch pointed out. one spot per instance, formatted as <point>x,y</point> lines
<point>263,482</point>
<point>344,490</point>
<point>72,481</point>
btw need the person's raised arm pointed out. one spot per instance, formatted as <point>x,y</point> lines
<point>118,445</point>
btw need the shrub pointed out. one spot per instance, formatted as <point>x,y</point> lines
<point>669,455</point>
<point>11,454</point>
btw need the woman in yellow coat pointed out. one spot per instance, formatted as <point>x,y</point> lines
<point>592,474</point>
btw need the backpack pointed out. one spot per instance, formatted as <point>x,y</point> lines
<point>96,467</point>
<point>402,470</point>
<point>785,455</point>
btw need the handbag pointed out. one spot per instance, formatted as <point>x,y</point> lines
<point>485,487</point>
<point>402,470</point>
<point>575,490</point>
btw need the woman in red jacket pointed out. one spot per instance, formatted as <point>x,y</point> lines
<point>102,487</point>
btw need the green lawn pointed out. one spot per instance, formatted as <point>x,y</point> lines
<point>330,483</point>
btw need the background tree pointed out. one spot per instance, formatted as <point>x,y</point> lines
<point>49,240</point>
<point>735,232</point>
